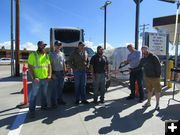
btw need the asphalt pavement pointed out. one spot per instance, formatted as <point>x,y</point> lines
<point>116,116</point>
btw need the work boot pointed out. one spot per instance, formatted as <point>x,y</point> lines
<point>147,104</point>
<point>61,103</point>
<point>44,108</point>
<point>157,107</point>
<point>85,102</point>
<point>31,115</point>
<point>54,106</point>
<point>140,100</point>
<point>77,102</point>
<point>95,101</point>
<point>130,98</point>
<point>102,101</point>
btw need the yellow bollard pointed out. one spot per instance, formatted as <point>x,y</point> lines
<point>169,73</point>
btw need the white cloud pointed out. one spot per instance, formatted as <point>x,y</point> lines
<point>90,45</point>
<point>94,47</point>
<point>27,45</point>
<point>108,46</point>
<point>6,44</point>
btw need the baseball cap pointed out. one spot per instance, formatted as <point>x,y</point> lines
<point>99,47</point>
<point>129,45</point>
<point>58,43</point>
<point>41,43</point>
<point>81,43</point>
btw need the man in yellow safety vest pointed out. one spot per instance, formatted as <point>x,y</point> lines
<point>40,72</point>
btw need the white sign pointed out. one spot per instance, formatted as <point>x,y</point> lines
<point>157,43</point>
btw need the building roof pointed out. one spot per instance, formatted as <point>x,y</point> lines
<point>167,23</point>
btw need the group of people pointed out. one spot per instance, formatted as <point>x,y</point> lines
<point>50,70</point>
<point>152,70</point>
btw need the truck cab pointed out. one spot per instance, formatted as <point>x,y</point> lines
<point>68,36</point>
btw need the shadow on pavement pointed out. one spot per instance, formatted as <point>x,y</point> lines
<point>29,86</point>
<point>14,78</point>
<point>8,121</point>
<point>107,111</point>
<point>47,116</point>
<point>11,79</point>
<point>172,112</point>
<point>127,123</point>
<point>166,91</point>
<point>124,124</point>
<point>7,110</point>
<point>111,108</point>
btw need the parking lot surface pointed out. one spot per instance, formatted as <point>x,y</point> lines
<point>116,116</point>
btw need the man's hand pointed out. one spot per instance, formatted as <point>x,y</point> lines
<point>54,76</point>
<point>67,68</point>
<point>129,61</point>
<point>108,75</point>
<point>93,77</point>
<point>48,78</point>
<point>36,80</point>
<point>124,62</point>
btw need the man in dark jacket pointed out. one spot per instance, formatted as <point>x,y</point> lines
<point>79,62</point>
<point>152,70</point>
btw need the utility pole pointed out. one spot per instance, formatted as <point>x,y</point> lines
<point>17,51</point>
<point>137,22</point>
<point>12,40</point>
<point>143,33</point>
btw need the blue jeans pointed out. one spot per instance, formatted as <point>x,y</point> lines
<point>99,84</point>
<point>57,87</point>
<point>80,84</point>
<point>136,75</point>
<point>42,86</point>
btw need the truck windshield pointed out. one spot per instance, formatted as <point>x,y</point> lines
<point>67,36</point>
<point>68,50</point>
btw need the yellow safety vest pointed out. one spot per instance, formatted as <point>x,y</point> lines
<point>40,64</point>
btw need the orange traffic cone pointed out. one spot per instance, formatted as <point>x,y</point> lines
<point>24,77</point>
<point>137,89</point>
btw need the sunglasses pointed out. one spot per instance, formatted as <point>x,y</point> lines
<point>144,49</point>
<point>42,46</point>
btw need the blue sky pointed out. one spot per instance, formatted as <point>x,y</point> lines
<point>38,16</point>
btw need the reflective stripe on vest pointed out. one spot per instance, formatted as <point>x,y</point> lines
<point>37,62</point>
